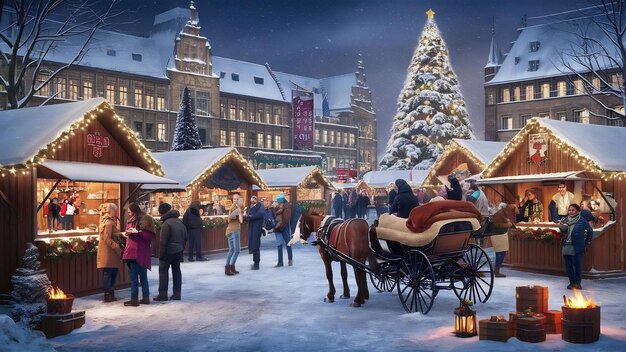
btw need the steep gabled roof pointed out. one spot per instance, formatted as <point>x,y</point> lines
<point>292,176</point>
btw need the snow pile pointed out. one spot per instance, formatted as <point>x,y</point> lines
<point>16,338</point>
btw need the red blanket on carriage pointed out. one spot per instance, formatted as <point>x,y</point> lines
<point>422,217</point>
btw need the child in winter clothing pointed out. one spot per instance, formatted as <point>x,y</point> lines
<point>138,258</point>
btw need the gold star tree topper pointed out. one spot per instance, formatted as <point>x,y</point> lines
<point>431,14</point>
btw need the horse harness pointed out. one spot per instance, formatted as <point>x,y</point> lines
<point>336,231</point>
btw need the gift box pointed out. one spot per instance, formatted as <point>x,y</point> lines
<point>553,321</point>
<point>494,329</point>
<point>534,298</point>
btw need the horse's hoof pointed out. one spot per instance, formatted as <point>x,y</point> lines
<point>344,297</point>
<point>328,300</point>
<point>356,305</point>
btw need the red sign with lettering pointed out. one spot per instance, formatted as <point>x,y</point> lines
<point>302,120</point>
<point>98,142</point>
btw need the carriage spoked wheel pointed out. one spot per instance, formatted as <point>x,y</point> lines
<point>383,281</point>
<point>416,282</point>
<point>473,279</point>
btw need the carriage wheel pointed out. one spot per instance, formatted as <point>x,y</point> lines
<point>383,282</point>
<point>416,283</point>
<point>473,280</point>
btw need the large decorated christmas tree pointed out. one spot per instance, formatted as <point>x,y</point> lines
<point>431,109</point>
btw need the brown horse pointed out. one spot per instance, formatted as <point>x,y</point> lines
<point>352,242</point>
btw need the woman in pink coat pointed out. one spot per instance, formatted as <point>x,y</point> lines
<point>137,256</point>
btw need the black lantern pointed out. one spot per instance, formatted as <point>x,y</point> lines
<point>465,320</point>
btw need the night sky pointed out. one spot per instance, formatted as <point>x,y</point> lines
<point>319,38</point>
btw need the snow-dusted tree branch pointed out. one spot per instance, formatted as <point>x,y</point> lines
<point>31,31</point>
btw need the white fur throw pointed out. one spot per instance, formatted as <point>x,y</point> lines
<point>394,228</point>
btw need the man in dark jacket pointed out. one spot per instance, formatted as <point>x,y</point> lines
<point>193,223</point>
<point>362,202</point>
<point>338,205</point>
<point>255,216</point>
<point>456,193</point>
<point>173,238</point>
<point>346,208</point>
<point>404,201</point>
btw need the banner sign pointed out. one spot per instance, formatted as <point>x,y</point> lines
<point>302,103</point>
<point>98,142</point>
<point>537,147</point>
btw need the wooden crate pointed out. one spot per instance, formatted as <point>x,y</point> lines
<point>54,325</point>
<point>493,329</point>
<point>553,321</point>
<point>534,298</point>
<point>531,328</point>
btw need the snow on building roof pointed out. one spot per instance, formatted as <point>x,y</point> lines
<point>246,78</point>
<point>339,92</point>
<point>552,40</point>
<point>385,177</point>
<point>495,56</point>
<point>192,166</point>
<point>290,176</point>
<point>484,151</point>
<point>289,82</point>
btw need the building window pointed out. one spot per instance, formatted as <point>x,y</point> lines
<point>259,80</point>
<point>534,46</point>
<point>251,111</point>
<point>617,81</point>
<point>516,93</point>
<point>242,110</point>
<point>505,94</point>
<point>123,95</point>
<point>317,136</point>
<point>44,90</point>
<point>223,110</point>
<point>533,65</point>
<point>268,113</point>
<point>61,88</point>
<point>234,76</point>
<point>242,139</point>
<point>506,123</point>
<point>202,103</point>
<point>561,116</point>
<point>233,138</point>
<point>259,112</point>
<point>149,131</point>
<point>111,52</point>
<point>223,138</point>
<point>202,133</point>
<point>268,138</point>
<point>222,74</point>
<point>150,97</point>
<point>232,111</point>
<point>544,115</point>
<point>87,89</point>
<point>530,92</point>
<point>595,82</point>
<point>331,138</point>
<point>578,86</point>
<point>491,97</point>
<point>324,137</point>
<point>545,90</point>
<point>615,122</point>
<point>138,128</point>
<point>161,132</point>
<point>352,140</point>
<point>581,115</point>
<point>138,96</point>
<point>278,144</point>
<point>259,140</point>
<point>561,89</point>
<point>277,117</point>
<point>523,120</point>
<point>136,57</point>
<point>517,60</point>
<point>110,93</point>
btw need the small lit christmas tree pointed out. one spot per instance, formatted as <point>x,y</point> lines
<point>186,134</point>
<point>431,109</point>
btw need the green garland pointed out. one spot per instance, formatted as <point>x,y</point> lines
<point>208,223</point>
<point>61,247</point>
<point>546,235</point>
<point>308,205</point>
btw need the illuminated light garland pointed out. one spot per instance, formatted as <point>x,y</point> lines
<point>87,118</point>
<point>233,155</point>
<point>452,147</point>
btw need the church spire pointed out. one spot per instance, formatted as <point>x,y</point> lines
<point>495,56</point>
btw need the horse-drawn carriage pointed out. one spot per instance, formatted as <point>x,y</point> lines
<point>418,257</point>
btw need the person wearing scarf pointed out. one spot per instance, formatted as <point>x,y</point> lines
<point>577,234</point>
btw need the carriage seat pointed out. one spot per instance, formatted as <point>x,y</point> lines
<point>393,228</point>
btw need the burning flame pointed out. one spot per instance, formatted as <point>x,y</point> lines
<point>579,301</point>
<point>56,293</point>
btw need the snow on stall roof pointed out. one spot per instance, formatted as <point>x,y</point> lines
<point>23,132</point>
<point>385,177</point>
<point>246,85</point>
<point>485,151</point>
<point>285,177</point>
<point>598,143</point>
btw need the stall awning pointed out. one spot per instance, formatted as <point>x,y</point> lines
<point>78,171</point>
<point>556,176</point>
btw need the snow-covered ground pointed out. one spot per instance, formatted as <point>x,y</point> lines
<point>282,309</point>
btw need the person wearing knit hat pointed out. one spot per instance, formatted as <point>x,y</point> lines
<point>173,238</point>
<point>283,229</point>
<point>281,198</point>
<point>164,208</point>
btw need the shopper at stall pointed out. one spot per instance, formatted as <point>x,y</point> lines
<point>255,217</point>
<point>477,197</point>
<point>53,215</point>
<point>338,204</point>
<point>193,223</point>
<point>362,202</point>
<point>62,213</point>
<point>562,199</point>
<point>404,201</point>
<point>455,192</point>
<point>172,242</point>
<point>109,257</point>
<point>283,228</point>
<point>530,209</point>
<point>233,232</point>
<point>69,216</point>
<point>134,213</point>
<point>577,234</point>
<point>137,256</point>
<point>346,208</point>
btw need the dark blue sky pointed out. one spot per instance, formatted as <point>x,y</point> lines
<point>319,38</point>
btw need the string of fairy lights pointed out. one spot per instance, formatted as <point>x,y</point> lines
<point>78,127</point>
<point>452,147</point>
<point>232,156</point>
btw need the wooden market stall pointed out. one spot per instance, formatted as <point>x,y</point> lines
<point>543,154</point>
<point>305,185</point>
<point>210,176</point>
<point>381,182</point>
<point>79,151</point>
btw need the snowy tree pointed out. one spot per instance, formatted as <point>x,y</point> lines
<point>186,134</point>
<point>431,110</point>
<point>31,30</point>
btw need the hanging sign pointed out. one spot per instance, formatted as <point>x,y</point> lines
<point>537,147</point>
<point>98,142</point>
<point>302,120</point>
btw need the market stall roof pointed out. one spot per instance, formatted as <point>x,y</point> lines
<point>292,176</point>
<point>338,185</point>
<point>191,167</point>
<point>30,135</point>
<point>595,145</point>
<point>555,176</point>
<point>378,179</point>
<point>78,171</point>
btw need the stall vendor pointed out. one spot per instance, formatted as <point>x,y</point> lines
<point>560,202</point>
<point>531,209</point>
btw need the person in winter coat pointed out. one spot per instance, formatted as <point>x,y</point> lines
<point>69,216</point>
<point>456,192</point>
<point>233,232</point>
<point>405,201</point>
<point>53,215</point>
<point>576,234</point>
<point>531,209</point>
<point>352,200</point>
<point>134,213</point>
<point>255,216</point>
<point>62,213</point>
<point>283,227</point>
<point>137,256</point>
<point>193,223</point>
<point>392,195</point>
<point>346,208</point>
<point>338,204</point>
<point>172,242</point>
<point>362,202</point>
<point>109,257</point>
<point>478,198</point>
